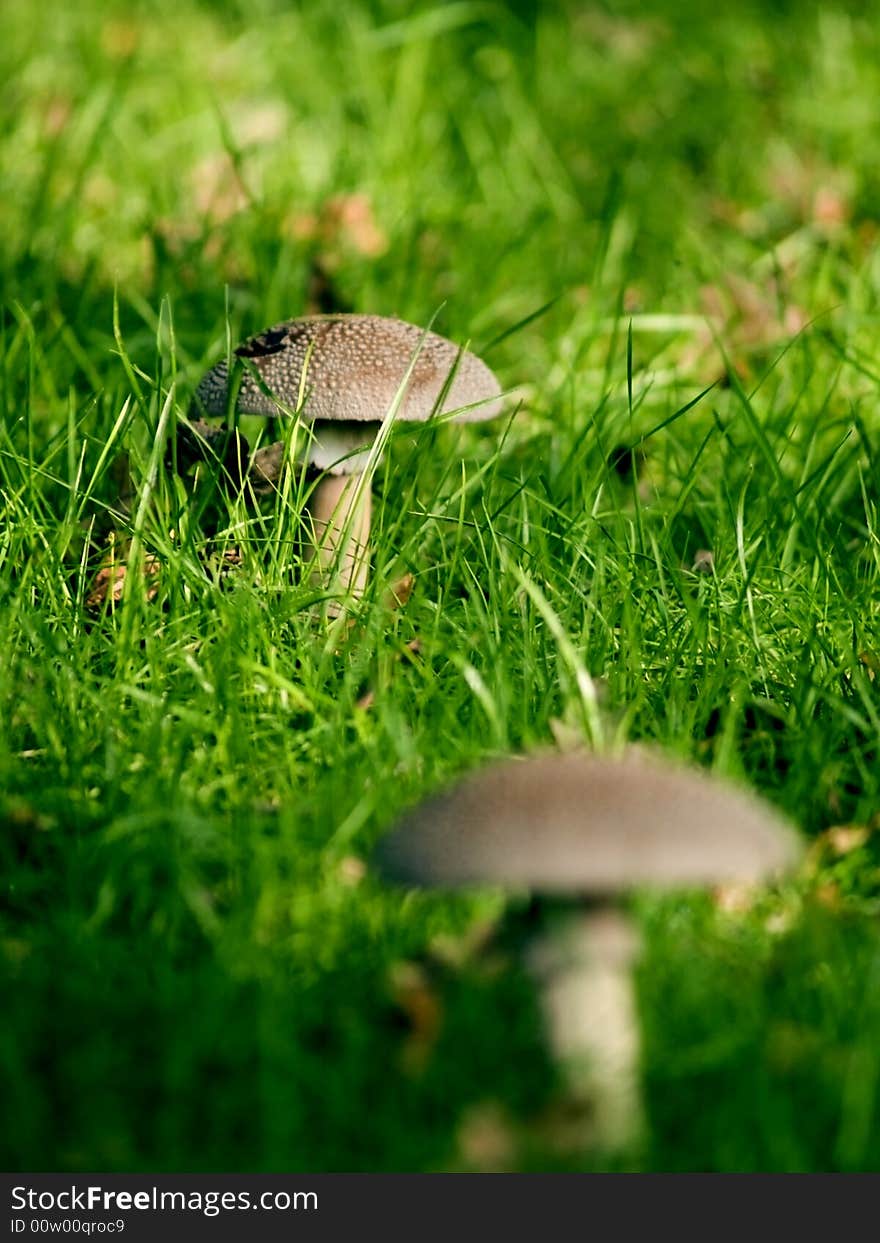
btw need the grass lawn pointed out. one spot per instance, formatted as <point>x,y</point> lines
<point>659,228</point>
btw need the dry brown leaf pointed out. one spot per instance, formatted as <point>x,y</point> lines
<point>745,316</point>
<point>831,209</point>
<point>109,582</point>
<point>351,217</point>
<point>346,222</point>
<point>814,192</point>
<point>398,594</point>
<point>217,188</point>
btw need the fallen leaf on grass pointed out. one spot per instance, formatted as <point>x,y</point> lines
<point>747,316</point>
<point>752,314</point>
<point>217,188</point>
<point>345,221</point>
<point>831,209</point>
<point>802,194</point>
<point>814,193</point>
<point>109,583</point>
<point>398,593</point>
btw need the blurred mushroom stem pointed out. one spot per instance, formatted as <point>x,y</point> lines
<point>582,965</point>
<point>339,540</point>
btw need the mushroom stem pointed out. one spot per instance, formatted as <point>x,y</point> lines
<point>583,969</point>
<point>340,534</point>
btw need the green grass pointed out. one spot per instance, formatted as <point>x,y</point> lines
<point>196,973</point>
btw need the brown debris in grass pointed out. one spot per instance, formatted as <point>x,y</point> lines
<point>109,582</point>
<point>352,871</point>
<point>871,661</point>
<point>735,898</point>
<point>217,188</point>
<point>398,594</point>
<point>418,1001</point>
<point>744,317</point>
<point>485,1140</point>
<point>343,222</point>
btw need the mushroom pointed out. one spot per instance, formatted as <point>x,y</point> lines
<point>579,831</point>
<point>349,374</point>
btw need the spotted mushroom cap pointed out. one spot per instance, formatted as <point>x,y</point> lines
<point>356,366</point>
<point>583,824</point>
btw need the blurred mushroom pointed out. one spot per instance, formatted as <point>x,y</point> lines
<point>580,831</point>
<point>349,369</point>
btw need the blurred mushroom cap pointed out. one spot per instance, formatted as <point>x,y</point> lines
<point>584,824</point>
